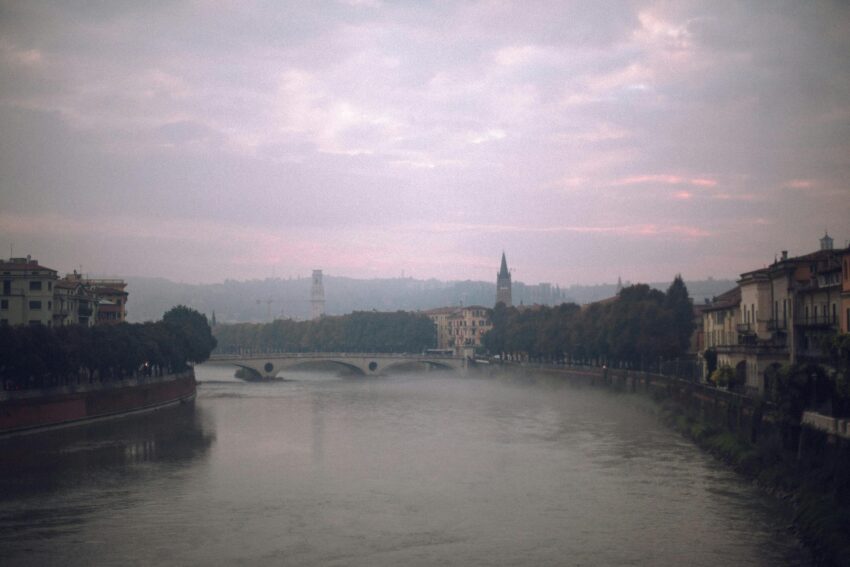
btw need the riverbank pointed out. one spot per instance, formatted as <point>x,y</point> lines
<point>28,411</point>
<point>807,468</point>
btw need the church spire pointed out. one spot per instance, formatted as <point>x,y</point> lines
<point>503,271</point>
<point>503,284</point>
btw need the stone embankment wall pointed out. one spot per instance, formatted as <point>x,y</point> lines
<point>754,420</point>
<point>29,410</point>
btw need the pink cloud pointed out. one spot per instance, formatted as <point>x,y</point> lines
<point>630,230</point>
<point>666,179</point>
<point>800,184</point>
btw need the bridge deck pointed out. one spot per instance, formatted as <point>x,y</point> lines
<point>269,364</point>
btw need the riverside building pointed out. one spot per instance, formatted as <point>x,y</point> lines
<point>460,328</point>
<point>781,314</point>
<point>26,297</point>
<point>33,294</point>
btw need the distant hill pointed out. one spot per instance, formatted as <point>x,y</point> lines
<point>248,301</point>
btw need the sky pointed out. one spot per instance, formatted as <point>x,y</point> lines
<point>203,141</point>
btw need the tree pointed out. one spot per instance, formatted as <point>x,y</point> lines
<point>710,356</point>
<point>191,331</point>
<point>723,376</point>
<point>677,301</point>
<point>838,351</point>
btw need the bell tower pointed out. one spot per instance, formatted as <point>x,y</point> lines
<point>503,284</point>
<point>317,296</point>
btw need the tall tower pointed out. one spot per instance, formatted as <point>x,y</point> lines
<point>317,296</point>
<point>503,284</point>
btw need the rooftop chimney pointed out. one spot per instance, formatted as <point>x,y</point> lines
<point>784,254</point>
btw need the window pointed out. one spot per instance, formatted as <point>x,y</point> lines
<point>34,322</point>
<point>49,305</point>
<point>35,285</point>
<point>49,286</point>
<point>4,303</point>
<point>35,305</point>
<point>7,287</point>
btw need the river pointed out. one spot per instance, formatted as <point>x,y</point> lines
<point>414,469</point>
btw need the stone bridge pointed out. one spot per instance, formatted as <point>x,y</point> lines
<point>265,366</point>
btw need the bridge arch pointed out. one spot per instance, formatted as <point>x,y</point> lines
<point>269,365</point>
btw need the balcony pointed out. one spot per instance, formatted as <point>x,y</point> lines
<point>776,324</point>
<point>744,328</point>
<point>816,321</point>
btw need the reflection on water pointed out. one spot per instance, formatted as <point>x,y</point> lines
<point>36,462</point>
<point>414,470</point>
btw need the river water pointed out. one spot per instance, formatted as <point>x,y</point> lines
<point>414,469</point>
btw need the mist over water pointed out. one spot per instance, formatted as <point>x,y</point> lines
<point>415,469</point>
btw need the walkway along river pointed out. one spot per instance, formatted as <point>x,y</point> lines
<point>416,469</point>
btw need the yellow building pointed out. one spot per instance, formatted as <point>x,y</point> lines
<point>785,312</point>
<point>460,328</point>
<point>26,297</point>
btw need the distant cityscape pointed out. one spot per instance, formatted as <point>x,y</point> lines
<point>771,316</point>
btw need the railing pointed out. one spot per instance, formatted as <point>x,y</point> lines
<point>817,321</point>
<point>744,328</point>
<point>776,324</point>
<point>271,354</point>
<point>835,426</point>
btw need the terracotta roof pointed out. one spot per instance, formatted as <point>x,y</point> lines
<point>442,311</point>
<point>15,266</point>
<point>725,300</point>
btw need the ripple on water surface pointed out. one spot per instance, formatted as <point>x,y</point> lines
<point>415,469</point>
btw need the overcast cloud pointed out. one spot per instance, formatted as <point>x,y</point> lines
<point>208,140</point>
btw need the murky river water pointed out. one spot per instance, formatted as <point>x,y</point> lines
<point>408,470</point>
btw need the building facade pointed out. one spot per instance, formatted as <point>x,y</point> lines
<point>74,303</point>
<point>111,299</point>
<point>32,294</point>
<point>26,296</point>
<point>844,323</point>
<point>460,328</point>
<point>503,284</point>
<point>784,313</point>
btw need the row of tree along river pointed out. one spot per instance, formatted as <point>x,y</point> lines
<point>41,357</point>
<point>637,329</point>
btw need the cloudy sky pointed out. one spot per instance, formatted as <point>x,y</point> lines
<point>201,141</point>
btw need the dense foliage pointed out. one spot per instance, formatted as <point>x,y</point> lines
<point>361,331</point>
<point>824,388</point>
<point>35,356</point>
<point>638,327</point>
